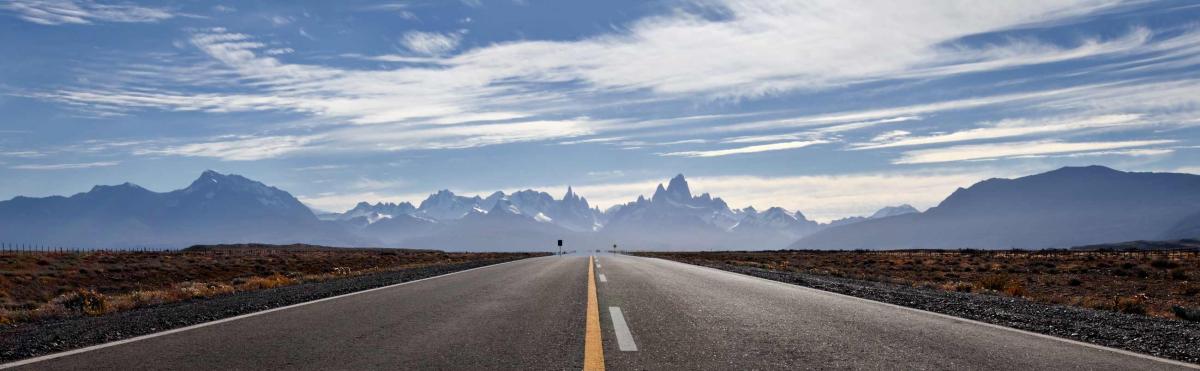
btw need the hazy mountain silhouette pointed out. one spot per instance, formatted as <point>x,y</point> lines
<point>1061,208</point>
<point>1189,227</point>
<point>215,208</point>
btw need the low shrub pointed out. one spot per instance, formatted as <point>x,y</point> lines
<point>1014,288</point>
<point>958,286</point>
<point>1189,314</point>
<point>994,282</point>
<point>7,317</point>
<point>1133,305</point>
<point>80,301</point>
<point>258,283</point>
<point>1179,274</point>
<point>143,298</point>
<point>1164,264</point>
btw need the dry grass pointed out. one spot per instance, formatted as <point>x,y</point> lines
<point>53,285</point>
<point>1139,282</point>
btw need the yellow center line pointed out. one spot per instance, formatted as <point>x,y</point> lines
<point>593,351</point>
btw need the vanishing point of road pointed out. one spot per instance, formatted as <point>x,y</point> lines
<point>615,312</point>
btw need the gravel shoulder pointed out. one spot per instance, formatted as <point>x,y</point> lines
<point>1173,339</point>
<point>41,338</point>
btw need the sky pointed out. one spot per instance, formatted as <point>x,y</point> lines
<point>832,108</point>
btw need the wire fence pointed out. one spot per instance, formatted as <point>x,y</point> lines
<point>37,248</point>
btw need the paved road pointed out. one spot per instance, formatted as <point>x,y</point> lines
<point>532,314</point>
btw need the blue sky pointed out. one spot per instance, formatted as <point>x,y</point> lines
<point>833,108</point>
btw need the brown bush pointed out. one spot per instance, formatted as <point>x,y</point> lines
<point>7,317</point>
<point>1014,288</point>
<point>196,290</point>
<point>958,286</point>
<point>1133,305</point>
<point>993,282</point>
<point>258,283</point>
<point>79,301</point>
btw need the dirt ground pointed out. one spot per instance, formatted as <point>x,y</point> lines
<point>34,285</point>
<point>1155,283</point>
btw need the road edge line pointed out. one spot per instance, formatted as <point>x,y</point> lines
<point>51,356</point>
<point>968,320</point>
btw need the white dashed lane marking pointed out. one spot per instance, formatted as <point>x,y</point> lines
<point>624,337</point>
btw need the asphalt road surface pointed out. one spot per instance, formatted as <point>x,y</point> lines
<point>652,314</point>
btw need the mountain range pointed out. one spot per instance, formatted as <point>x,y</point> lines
<point>215,208</point>
<point>1066,207</point>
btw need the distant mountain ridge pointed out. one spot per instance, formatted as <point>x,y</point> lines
<point>214,208</point>
<point>1061,208</point>
<point>1067,207</point>
<point>672,218</point>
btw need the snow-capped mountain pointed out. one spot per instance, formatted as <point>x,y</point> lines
<point>503,227</point>
<point>671,217</point>
<point>445,205</point>
<point>367,213</point>
<point>886,211</point>
<point>571,212</point>
<point>776,218</point>
<point>674,206</point>
<point>775,227</point>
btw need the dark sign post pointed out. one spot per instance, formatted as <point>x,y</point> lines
<point>614,248</point>
<point>560,247</point>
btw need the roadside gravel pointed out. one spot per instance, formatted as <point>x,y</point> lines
<point>40,338</point>
<point>1173,339</point>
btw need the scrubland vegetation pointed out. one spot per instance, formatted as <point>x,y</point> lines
<point>1155,283</point>
<point>37,286</point>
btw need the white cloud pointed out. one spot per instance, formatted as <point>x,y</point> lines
<point>748,149</point>
<point>1009,128</point>
<point>760,48</point>
<point>401,9</point>
<point>235,149</point>
<point>58,12</point>
<point>279,51</point>
<point>763,47</point>
<point>375,138</point>
<point>430,43</point>
<point>279,20</point>
<point>1015,149</point>
<point>84,165</point>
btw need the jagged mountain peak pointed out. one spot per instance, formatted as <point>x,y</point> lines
<point>678,187</point>
<point>210,179</point>
<point>777,210</point>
